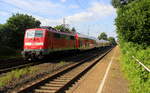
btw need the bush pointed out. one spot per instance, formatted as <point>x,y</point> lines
<point>139,78</point>
<point>133,22</point>
<point>6,51</point>
<point>12,32</point>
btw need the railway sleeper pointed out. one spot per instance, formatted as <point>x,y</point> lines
<point>44,91</point>
<point>49,87</point>
<point>52,85</point>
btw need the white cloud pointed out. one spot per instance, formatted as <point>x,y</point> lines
<point>80,17</point>
<point>48,22</point>
<point>95,12</point>
<point>36,6</point>
<point>102,10</point>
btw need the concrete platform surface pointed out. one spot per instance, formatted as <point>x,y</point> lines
<point>105,77</point>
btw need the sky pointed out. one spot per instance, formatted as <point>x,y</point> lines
<point>87,16</point>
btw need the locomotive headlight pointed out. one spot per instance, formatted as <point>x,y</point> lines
<point>28,44</point>
<point>39,43</point>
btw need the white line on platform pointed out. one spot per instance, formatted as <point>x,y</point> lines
<point>105,76</point>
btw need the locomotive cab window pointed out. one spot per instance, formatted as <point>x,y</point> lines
<point>38,33</point>
<point>30,34</point>
<point>33,33</point>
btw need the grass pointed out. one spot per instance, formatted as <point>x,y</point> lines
<point>62,62</point>
<point>16,74</point>
<point>32,70</point>
<point>139,78</point>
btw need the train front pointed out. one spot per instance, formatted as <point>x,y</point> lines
<point>34,44</point>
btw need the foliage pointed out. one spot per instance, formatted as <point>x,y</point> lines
<point>62,28</point>
<point>8,36</point>
<point>139,78</point>
<point>112,40</point>
<point>73,30</point>
<point>103,36</point>
<point>116,3</point>
<point>120,3</point>
<point>133,22</point>
<point>16,74</point>
<point>7,51</point>
<point>12,33</point>
<point>59,27</point>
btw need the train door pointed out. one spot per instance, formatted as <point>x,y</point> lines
<point>76,41</point>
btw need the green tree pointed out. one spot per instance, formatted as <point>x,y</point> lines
<point>116,3</point>
<point>120,3</point>
<point>8,36</point>
<point>59,27</point>
<point>133,22</point>
<point>1,33</point>
<point>112,40</point>
<point>73,30</point>
<point>62,28</point>
<point>17,24</point>
<point>103,36</point>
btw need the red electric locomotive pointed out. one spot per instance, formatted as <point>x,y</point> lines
<point>39,42</point>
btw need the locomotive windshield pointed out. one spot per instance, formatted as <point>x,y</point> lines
<point>34,33</point>
<point>38,33</point>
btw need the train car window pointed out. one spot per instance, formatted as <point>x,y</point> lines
<point>57,35</point>
<point>38,33</point>
<point>63,36</point>
<point>68,37</point>
<point>72,37</point>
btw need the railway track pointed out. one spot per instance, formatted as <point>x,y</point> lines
<point>20,63</point>
<point>61,80</point>
<point>11,62</point>
<point>16,67</point>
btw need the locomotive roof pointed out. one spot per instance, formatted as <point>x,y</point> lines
<point>86,36</point>
<point>56,31</point>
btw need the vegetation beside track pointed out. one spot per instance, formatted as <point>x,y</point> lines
<point>16,74</point>
<point>7,53</point>
<point>28,73</point>
<point>139,78</point>
<point>133,22</point>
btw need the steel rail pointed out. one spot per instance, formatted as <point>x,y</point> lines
<point>18,66</point>
<point>15,67</point>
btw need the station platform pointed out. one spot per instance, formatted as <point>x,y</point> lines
<point>104,77</point>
